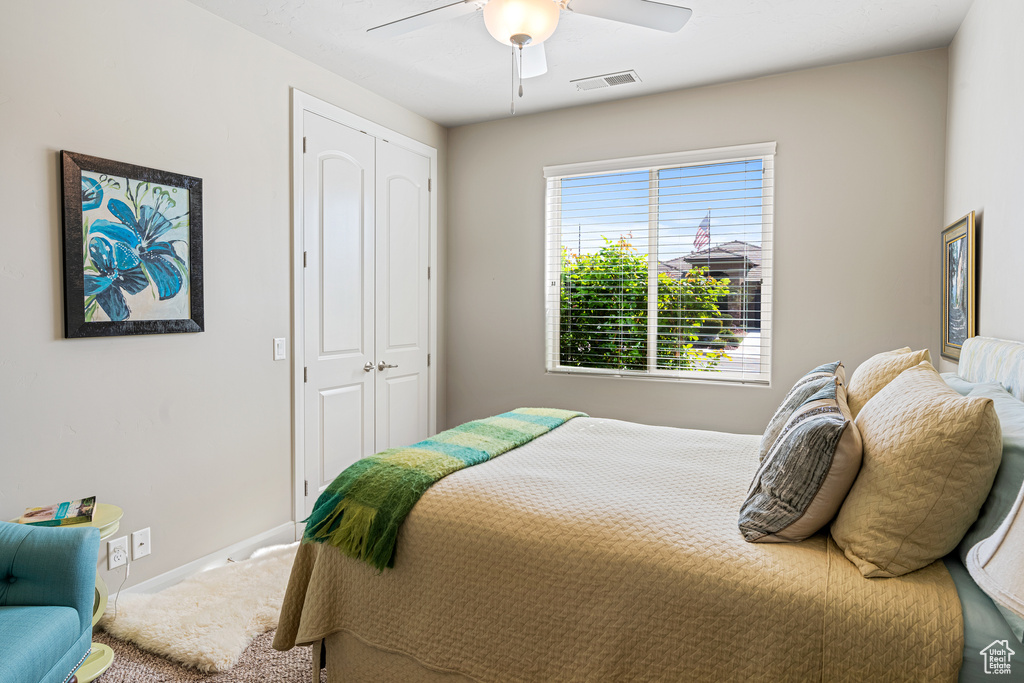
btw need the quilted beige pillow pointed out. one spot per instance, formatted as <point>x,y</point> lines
<point>930,456</point>
<point>877,371</point>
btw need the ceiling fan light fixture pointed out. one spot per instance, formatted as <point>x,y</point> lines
<point>527,21</point>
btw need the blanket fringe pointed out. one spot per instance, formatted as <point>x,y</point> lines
<point>321,529</point>
<point>352,534</point>
<point>382,553</point>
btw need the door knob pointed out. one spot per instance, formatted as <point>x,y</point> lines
<point>368,367</point>
<point>382,366</point>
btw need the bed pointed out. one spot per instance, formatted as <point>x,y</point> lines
<point>609,551</point>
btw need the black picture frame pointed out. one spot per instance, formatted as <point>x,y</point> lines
<point>959,312</point>
<point>160,257</point>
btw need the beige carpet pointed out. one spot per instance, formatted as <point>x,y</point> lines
<point>260,663</point>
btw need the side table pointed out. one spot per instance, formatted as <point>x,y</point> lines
<point>106,518</point>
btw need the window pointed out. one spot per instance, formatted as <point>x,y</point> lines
<point>660,266</point>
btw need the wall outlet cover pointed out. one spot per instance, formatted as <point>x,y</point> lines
<point>117,553</point>
<point>140,543</point>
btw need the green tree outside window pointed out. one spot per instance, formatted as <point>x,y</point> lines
<point>603,313</point>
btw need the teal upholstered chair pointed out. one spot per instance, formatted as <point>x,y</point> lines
<point>47,580</point>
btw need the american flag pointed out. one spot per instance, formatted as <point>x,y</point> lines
<point>703,237</point>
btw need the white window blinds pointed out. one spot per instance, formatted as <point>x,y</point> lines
<point>660,266</point>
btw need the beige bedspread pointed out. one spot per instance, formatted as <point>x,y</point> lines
<point>608,551</point>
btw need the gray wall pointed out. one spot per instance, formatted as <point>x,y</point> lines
<point>190,434</point>
<point>858,192</point>
<point>985,155</point>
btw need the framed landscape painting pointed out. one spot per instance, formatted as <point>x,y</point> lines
<point>133,249</point>
<point>958,310</point>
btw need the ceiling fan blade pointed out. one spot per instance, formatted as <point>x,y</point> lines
<point>535,61</point>
<point>418,21</point>
<point>656,15</point>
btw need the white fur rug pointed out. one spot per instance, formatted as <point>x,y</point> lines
<point>208,620</point>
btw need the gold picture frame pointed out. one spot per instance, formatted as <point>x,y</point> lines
<point>959,314</point>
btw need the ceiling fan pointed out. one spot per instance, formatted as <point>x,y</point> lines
<point>526,24</point>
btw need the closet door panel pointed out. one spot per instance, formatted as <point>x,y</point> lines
<point>402,246</point>
<point>338,300</point>
<point>341,257</point>
<point>403,224</point>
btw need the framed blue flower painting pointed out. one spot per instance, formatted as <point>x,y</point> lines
<point>133,249</point>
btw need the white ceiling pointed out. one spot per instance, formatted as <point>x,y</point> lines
<point>454,73</point>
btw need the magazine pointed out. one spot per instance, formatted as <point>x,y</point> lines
<point>61,514</point>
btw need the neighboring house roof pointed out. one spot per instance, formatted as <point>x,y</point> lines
<point>718,256</point>
<point>676,266</point>
<point>727,251</point>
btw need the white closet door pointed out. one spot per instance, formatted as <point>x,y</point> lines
<point>338,299</point>
<point>403,230</point>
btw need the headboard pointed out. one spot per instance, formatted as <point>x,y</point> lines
<point>994,563</point>
<point>986,359</point>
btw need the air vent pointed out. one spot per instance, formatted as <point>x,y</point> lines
<point>606,80</point>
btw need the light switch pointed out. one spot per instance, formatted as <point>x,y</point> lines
<point>279,349</point>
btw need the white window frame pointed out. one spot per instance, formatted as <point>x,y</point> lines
<point>765,151</point>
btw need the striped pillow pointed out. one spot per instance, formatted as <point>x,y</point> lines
<point>805,387</point>
<point>807,473</point>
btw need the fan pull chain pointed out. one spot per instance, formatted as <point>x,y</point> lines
<point>512,109</point>
<point>520,70</point>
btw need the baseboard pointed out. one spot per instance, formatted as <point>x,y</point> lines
<point>237,551</point>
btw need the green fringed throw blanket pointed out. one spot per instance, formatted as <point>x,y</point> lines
<point>361,510</point>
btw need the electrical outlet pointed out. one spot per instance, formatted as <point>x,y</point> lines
<point>140,543</point>
<point>117,552</point>
<point>279,348</point>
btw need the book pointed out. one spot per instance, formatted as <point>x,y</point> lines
<point>61,514</point>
